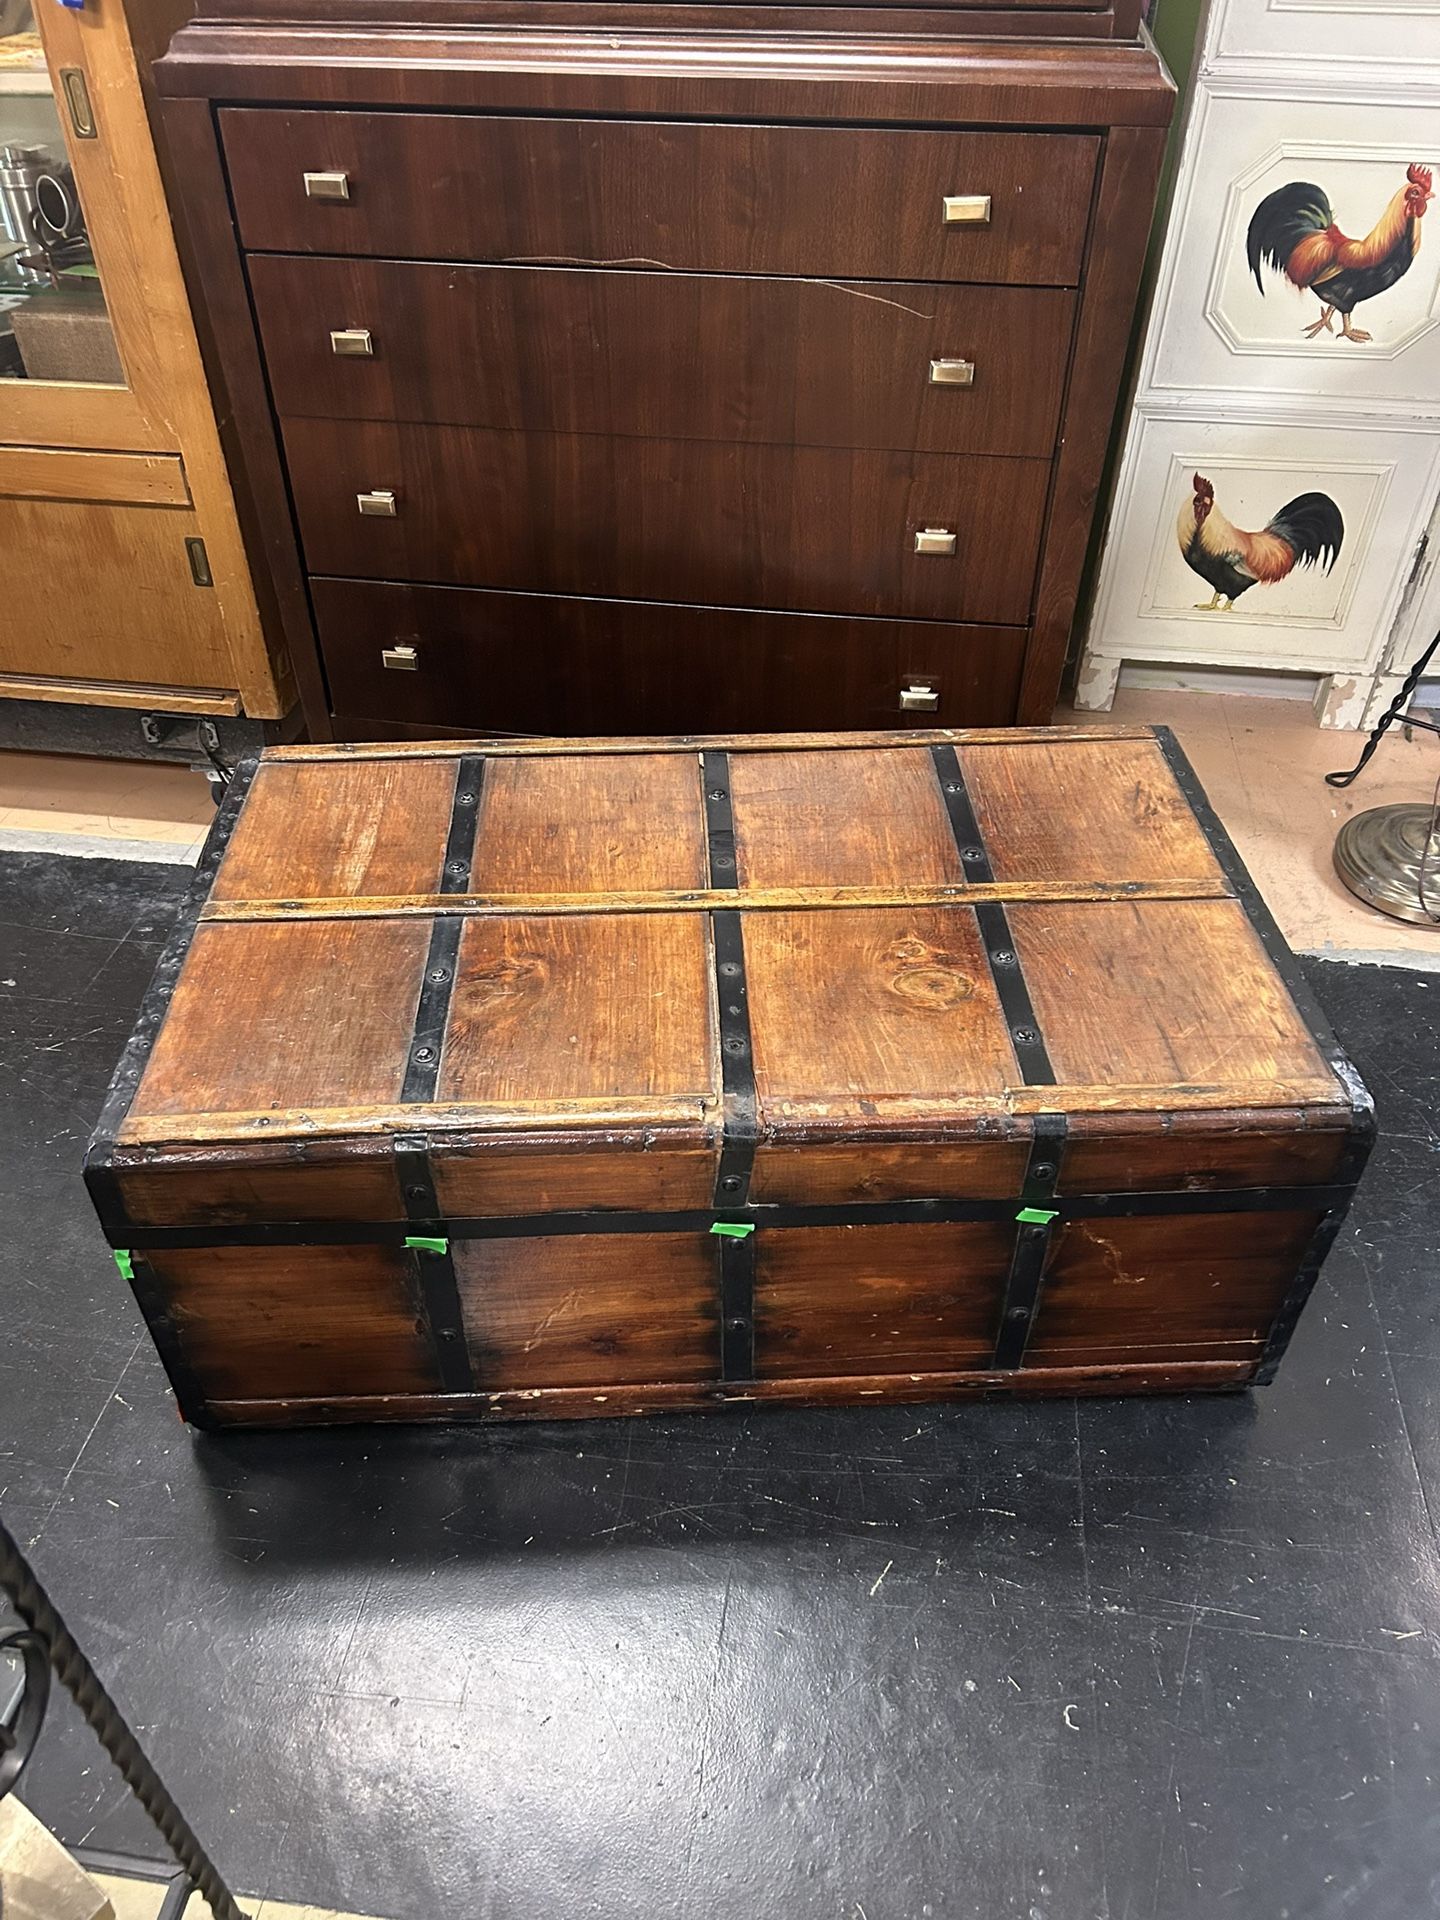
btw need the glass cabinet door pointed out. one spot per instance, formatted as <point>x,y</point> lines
<point>54,325</point>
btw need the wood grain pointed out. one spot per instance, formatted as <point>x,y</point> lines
<point>843,203</point>
<point>822,741</point>
<point>874,1300</point>
<point>593,1308</point>
<point>163,407</point>
<point>636,1168</point>
<point>1098,810</point>
<point>586,1403</point>
<point>809,529</point>
<point>119,479</point>
<point>131,612</point>
<point>667,356</point>
<point>302,1180</point>
<point>592,827</point>
<point>1164,994</point>
<point>849,1008</point>
<point>298,1320</point>
<point>866,818</point>
<point>583,1008</point>
<point>841,1172</point>
<point>501,662</point>
<point>1240,1149</point>
<point>116,693</point>
<point>1158,1286</point>
<point>350,831</point>
<point>267,1018</point>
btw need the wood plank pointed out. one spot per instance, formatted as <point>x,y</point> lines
<point>598,826</point>
<point>1290,1148</point>
<point>753,899</point>
<point>297,1320</point>
<point>269,1180</point>
<point>790,528</point>
<point>602,1117</point>
<point>54,473</point>
<point>265,1018</point>
<point>847,1010</point>
<point>638,1169</point>
<point>116,693</point>
<point>820,742</point>
<point>858,203</point>
<point>581,1009</point>
<point>867,817</point>
<point>875,1300</point>
<point>132,612</point>
<point>1165,1282</point>
<point>548,1313</point>
<point>683,356</point>
<point>345,830</point>
<point>1169,994</point>
<point>586,1403</point>
<point>838,1172</point>
<point>1105,810</point>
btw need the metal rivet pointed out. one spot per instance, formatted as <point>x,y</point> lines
<point>737,1321</point>
<point>722,859</point>
<point>439,975</point>
<point>1027,1036</point>
<point>734,1046</point>
<point>1003,957</point>
<point>729,967</point>
<point>1018,1313</point>
<point>414,1193</point>
<point>718,793</point>
<point>953,786</point>
<point>424,1054</point>
<point>458,868</point>
<point>465,799</point>
<point>730,1183</point>
<point>1043,1171</point>
<point>972,853</point>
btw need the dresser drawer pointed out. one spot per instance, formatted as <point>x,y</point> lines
<point>527,663</point>
<point>857,203</point>
<point>683,356</point>
<point>804,528</point>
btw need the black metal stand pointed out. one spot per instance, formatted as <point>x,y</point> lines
<point>1387,719</point>
<point>107,1723</point>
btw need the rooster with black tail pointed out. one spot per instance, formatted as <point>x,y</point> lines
<point>1294,231</point>
<point>1305,532</point>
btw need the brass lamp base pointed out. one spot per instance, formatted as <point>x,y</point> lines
<point>1379,854</point>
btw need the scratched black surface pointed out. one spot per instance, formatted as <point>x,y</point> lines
<point>1132,1660</point>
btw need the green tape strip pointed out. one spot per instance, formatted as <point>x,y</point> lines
<point>732,1230</point>
<point>125,1261</point>
<point>1037,1216</point>
<point>423,1245</point>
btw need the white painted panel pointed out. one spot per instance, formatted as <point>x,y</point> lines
<point>1219,328</point>
<point>1382,483</point>
<point>1359,32</point>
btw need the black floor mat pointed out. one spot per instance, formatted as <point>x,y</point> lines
<point>1139,1659</point>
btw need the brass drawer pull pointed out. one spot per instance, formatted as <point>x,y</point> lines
<point>921,696</point>
<point>966,209</point>
<point>327,186</point>
<point>403,659</point>
<point>379,505</point>
<point>354,343</point>
<point>943,373</point>
<point>934,540</point>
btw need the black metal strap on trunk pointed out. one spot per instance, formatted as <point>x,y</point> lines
<point>439,1289</point>
<point>740,1110</point>
<point>432,1012</point>
<point>1032,1235</point>
<point>1005,968</point>
<point>1032,1241</point>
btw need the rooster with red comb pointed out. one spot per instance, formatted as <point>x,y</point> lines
<point>1294,231</point>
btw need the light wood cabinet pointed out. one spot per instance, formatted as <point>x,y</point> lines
<point>123,578</point>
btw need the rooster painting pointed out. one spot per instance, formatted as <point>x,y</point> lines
<point>1294,231</point>
<point>1307,530</point>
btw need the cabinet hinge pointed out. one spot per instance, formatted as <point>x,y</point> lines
<point>199,563</point>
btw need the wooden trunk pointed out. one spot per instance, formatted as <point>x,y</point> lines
<point>570,1078</point>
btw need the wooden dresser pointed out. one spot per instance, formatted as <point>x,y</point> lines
<point>650,369</point>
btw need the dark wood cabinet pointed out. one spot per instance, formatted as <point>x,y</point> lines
<point>618,373</point>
